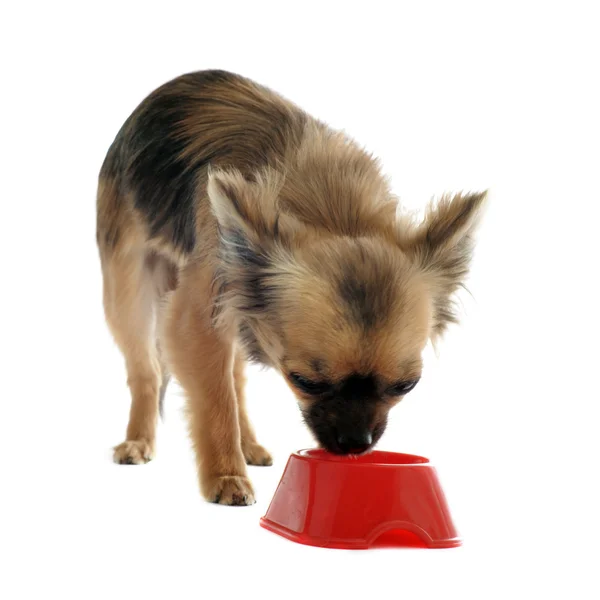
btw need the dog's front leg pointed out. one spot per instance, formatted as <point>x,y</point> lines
<point>202,357</point>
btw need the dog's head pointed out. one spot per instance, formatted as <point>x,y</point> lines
<point>344,318</point>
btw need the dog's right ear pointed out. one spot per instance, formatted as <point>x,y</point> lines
<point>249,208</point>
<point>255,238</point>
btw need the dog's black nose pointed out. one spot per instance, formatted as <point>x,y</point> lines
<point>355,443</point>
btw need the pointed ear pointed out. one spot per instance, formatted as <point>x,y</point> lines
<point>442,247</point>
<point>248,208</point>
<point>252,233</point>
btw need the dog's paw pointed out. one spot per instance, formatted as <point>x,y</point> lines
<point>231,490</point>
<point>256,455</point>
<point>133,452</point>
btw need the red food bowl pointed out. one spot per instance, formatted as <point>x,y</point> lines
<point>353,501</point>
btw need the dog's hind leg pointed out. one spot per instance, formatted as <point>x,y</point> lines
<point>253,452</point>
<point>130,304</point>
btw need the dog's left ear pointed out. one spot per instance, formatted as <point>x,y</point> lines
<point>442,247</point>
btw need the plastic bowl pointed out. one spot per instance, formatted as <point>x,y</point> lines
<point>352,501</point>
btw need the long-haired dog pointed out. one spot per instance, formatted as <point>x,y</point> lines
<point>232,226</point>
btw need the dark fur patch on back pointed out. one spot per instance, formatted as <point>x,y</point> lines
<point>162,152</point>
<point>164,184</point>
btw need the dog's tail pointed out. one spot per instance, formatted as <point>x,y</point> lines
<point>161,395</point>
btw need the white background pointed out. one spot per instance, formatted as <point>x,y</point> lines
<point>450,96</point>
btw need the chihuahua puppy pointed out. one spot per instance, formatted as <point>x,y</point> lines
<point>232,226</point>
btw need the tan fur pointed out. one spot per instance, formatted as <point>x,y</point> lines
<point>297,257</point>
<point>253,452</point>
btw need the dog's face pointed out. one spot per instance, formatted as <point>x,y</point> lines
<point>352,330</point>
<point>343,318</point>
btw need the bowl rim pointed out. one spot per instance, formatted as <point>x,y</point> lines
<point>349,462</point>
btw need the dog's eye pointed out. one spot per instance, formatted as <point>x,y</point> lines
<point>314,388</point>
<point>401,388</point>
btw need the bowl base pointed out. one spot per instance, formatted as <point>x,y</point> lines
<point>392,538</point>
